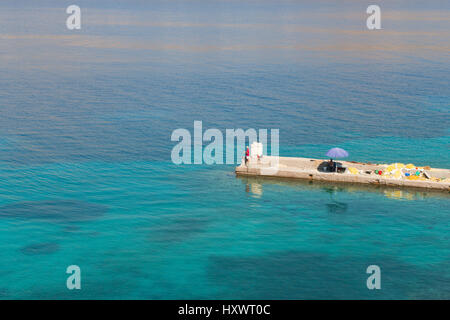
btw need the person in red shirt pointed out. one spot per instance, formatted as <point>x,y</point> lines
<point>247,155</point>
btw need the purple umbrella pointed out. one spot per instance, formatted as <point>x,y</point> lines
<point>337,153</point>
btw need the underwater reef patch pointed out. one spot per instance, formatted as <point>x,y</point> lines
<point>56,211</point>
<point>178,229</point>
<point>40,248</point>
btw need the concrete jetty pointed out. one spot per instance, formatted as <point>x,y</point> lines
<point>364,173</point>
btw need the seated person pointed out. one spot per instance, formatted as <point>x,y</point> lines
<point>331,166</point>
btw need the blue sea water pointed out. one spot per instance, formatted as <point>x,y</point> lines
<point>86,176</point>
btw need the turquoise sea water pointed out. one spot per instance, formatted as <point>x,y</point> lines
<point>85,170</point>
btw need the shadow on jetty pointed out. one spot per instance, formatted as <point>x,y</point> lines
<point>323,166</point>
<point>257,184</point>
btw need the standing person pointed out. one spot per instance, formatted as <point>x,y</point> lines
<point>247,155</point>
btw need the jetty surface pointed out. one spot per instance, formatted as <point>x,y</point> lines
<point>355,172</point>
